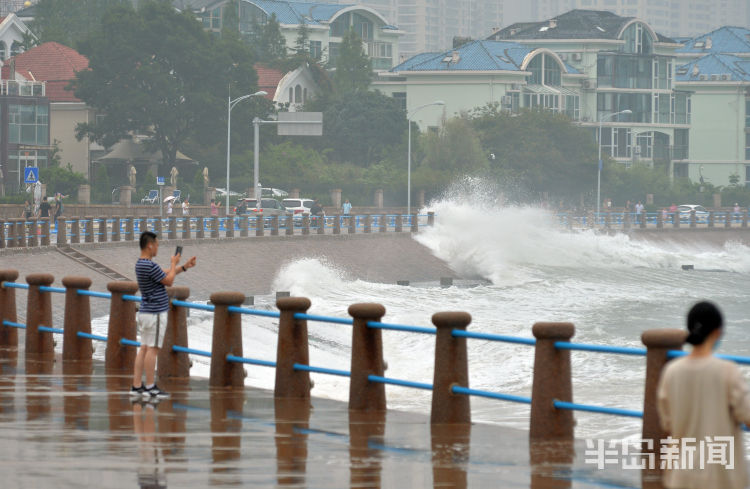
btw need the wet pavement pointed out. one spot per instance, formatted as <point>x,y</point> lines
<point>73,425</point>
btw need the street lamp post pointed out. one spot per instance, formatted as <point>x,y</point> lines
<point>409,114</point>
<point>230,105</point>
<point>599,173</point>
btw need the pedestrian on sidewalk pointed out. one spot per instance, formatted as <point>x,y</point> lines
<point>152,317</point>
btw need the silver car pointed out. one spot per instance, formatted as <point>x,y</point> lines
<point>268,207</point>
<point>701,214</point>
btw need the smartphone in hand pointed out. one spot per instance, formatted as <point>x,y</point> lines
<point>178,251</point>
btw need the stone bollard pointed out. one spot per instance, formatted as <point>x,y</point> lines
<point>33,233</point>
<point>186,232</point>
<point>142,226</point>
<point>215,227</point>
<point>289,231</point>
<point>353,224</point>
<point>367,225</point>
<point>171,363</point>
<point>172,223</point>
<point>431,218</point>
<point>292,348</point>
<point>39,344</point>
<point>711,216</point>
<point>229,227</point>
<point>552,381</point>
<point>8,336</point>
<point>21,232</point>
<point>337,224</point>
<point>658,342</point>
<point>200,230</point>
<point>260,225</point>
<point>121,326</point>
<point>728,220</point>
<point>644,220</point>
<point>383,223</point>
<point>130,229</point>
<point>244,225</point>
<point>11,234</point>
<point>45,231</point>
<point>306,225</point>
<point>676,219</point>
<point>102,234</point>
<point>275,225</point>
<point>321,225</point>
<point>115,229</point>
<point>626,221</point>
<point>367,359</point>
<point>89,234</point>
<point>660,221</point>
<point>607,220</point>
<point>77,318</point>
<point>692,218</point>
<point>227,340</point>
<point>744,219</point>
<point>399,223</point>
<point>159,227</point>
<point>451,368</point>
<point>415,223</point>
<point>75,230</point>
<point>2,234</point>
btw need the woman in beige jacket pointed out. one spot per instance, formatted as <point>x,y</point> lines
<point>702,402</point>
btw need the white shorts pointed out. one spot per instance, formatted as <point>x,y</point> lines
<point>151,327</point>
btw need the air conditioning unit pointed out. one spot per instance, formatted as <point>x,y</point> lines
<point>714,77</point>
<point>515,86</point>
<point>506,100</point>
<point>564,56</point>
<point>703,77</point>
<point>577,56</point>
<point>588,84</point>
<point>725,77</point>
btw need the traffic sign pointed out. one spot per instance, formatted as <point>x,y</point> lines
<point>300,124</point>
<point>160,180</point>
<point>30,174</point>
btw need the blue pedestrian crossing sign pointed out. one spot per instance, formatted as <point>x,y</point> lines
<point>30,174</point>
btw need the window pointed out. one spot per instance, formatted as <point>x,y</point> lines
<point>333,52</point>
<point>362,26</point>
<point>544,71</point>
<point>16,48</point>
<point>20,159</point>
<point>28,124</point>
<point>251,16</point>
<point>681,110</point>
<point>747,111</point>
<point>637,39</point>
<point>340,25</point>
<point>2,51</point>
<point>644,144</point>
<point>616,141</point>
<point>291,95</point>
<point>626,71</point>
<point>747,146</point>
<point>638,103</point>
<point>572,107</point>
<point>316,49</point>
<point>298,94</point>
<point>662,108</point>
<point>681,170</point>
<point>543,100</point>
<point>747,176</point>
<point>400,98</point>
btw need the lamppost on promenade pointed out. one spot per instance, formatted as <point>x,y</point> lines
<point>230,105</point>
<point>409,114</point>
<point>599,173</point>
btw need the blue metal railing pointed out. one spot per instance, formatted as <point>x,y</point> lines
<point>571,406</point>
<point>13,324</point>
<point>252,361</point>
<point>253,312</point>
<point>90,336</point>
<point>192,351</point>
<point>491,395</point>
<point>401,327</point>
<point>47,329</point>
<point>322,370</point>
<point>323,319</point>
<point>402,383</point>
<point>458,333</point>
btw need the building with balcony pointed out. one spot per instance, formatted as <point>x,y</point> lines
<point>326,24</point>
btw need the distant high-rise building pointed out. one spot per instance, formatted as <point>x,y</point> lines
<point>676,18</point>
<point>431,25</point>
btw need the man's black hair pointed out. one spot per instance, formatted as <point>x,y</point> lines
<point>146,238</point>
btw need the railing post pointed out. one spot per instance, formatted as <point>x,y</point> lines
<point>215,227</point>
<point>186,231</point>
<point>200,231</point>
<point>77,318</point>
<point>2,234</point>
<point>710,219</point>
<point>431,218</point>
<point>39,313</point>
<point>172,233</point>
<point>172,364</point>
<point>159,227</point>
<point>89,238</point>
<point>367,225</point>
<point>399,223</point>
<point>415,223</point>
<point>367,359</point>
<point>115,228</point>
<point>244,225</point>
<point>644,220</point>
<point>306,225</point>
<point>658,342</point>
<point>552,381</point>
<point>33,230</point>
<point>227,339</point>
<point>292,348</point>
<point>289,231</point>
<point>727,220</point>
<point>626,221</point>
<point>660,221</point>
<point>142,225</point>
<point>744,218</point>
<point>45,231</point>
<point>337,224</point>
<point>321,224</point>
<point>260,224</point>
<point>21,232</point>
<point>8,336</point>
<point>676,219</point>
<point>12,242</point>
<point>692,218</point>
<point>75,230</point>
<point>130,229</point>
<point>229,226</point>
<point>62,231</point>
<point>352,224</point>
<point>121,326</point>
<point>451,368</point>
<point>102,234</point>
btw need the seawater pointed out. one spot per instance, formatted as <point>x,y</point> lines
<point>524,269</point>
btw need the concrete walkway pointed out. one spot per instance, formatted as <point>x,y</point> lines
<point>69,426</point>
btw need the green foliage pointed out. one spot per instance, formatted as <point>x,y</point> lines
<point>302,43</point>
<point>148,183</point>
<point>101,190</point>
<point>353,66</point>
<point>361,127</point>
<point>269,42</point>
<point>63,180</point>
<point>69,21</point>
<point>157,72</point>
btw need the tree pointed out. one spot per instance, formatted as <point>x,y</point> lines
<point>156,72</point>
<point>302,43</point>
<point>353,66</point>
<point>69,21</point>
<point>271,42</point>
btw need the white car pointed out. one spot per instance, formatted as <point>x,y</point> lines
<point>300,207</point>
<point>701,214</point>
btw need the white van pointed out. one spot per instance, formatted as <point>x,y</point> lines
<point>300,207</point>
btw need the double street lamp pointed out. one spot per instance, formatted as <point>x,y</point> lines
<point>409,114</point>
<point>599,174</point>
<point>230,105</point>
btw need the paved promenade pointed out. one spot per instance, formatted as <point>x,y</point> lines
<point>64,428</point>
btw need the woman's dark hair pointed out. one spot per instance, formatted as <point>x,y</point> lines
<point>702,320</point>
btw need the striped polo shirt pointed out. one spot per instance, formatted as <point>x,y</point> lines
<point>153,293</point>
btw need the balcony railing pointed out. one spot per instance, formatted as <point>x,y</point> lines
<point>22,88</point>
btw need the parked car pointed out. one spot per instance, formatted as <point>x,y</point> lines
<point>268,207</point>
<point>300,207</point>
<point>701,214</point>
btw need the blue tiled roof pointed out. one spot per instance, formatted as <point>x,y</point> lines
<point>473,56</point>
<point>299,12</point>
<point>716,64</point>
<point>722,40</point>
